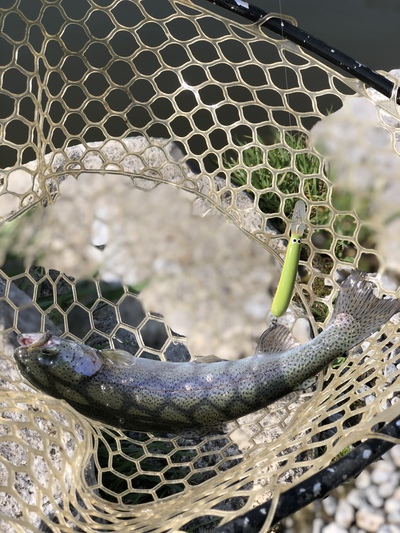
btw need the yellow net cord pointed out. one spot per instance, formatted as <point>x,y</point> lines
<point>127,95</point>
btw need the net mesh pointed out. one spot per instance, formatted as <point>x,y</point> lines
<point>128,95</point>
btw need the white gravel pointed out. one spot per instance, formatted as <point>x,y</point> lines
<point>368,504</point>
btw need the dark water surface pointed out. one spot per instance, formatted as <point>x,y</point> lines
<point>366,30</point>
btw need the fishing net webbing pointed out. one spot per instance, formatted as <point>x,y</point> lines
<point>124,96</point>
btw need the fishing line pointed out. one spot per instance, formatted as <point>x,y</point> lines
<point>285,68</point>
<point>293,33</point>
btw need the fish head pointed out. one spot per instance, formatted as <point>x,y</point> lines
<point>50,362</point>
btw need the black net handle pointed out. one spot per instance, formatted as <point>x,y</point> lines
<point>319,485</point>
<point>291,32</point>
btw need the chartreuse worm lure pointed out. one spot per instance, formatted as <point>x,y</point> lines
<point>286,283</point>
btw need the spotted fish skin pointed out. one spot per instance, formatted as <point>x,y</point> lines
<point>140,394</point>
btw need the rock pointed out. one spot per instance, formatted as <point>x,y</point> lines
<point>389,528</point>
<point>334,528</point>
<point>384,529</point>
<point>394,517</point>
<point>395,455</point>
<point>373,497</point>
<point>344,514</point>
<point>330,505</point>
<point>386,489</point>
<point>382,472</point>
<point>392,505</point>
<point>388,370</point>
<point>318,525</point>
<point>356,498</point>
<point>369,519</point>
<point>363,480</point>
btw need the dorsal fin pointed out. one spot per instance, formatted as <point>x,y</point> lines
<point>119,357</point>
<point>207,359</point>
<point>276,339</point>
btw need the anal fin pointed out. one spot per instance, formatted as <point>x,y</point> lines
<point>310,382</point>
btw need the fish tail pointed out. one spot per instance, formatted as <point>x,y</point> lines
<point>357,299</point>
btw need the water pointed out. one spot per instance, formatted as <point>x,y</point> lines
<point>366,30</point>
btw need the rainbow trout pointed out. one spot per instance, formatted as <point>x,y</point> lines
<point>124,391</point>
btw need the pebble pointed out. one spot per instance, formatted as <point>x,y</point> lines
<point>392,505</point>
<point>356,498</point>
<point>390,369</point>
<point>330,505</point>
<point>334,528</point>
<point>384,529</point>
<point>394,454</point>
<point>386,489</point>
<point>363,480</point>
<point>344,514</point>
<point>371,506</point>
<point>318,525</point>
<point>373,497</point>
<point>394,517</point>
<point>370,519</point>
<point>382,472</point>
<point>389,528</point>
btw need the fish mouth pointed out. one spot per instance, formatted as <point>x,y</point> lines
<point>36,340</point>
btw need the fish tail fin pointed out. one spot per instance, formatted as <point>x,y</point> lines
<point>357,299</point>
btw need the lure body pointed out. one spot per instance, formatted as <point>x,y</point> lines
<point>141,394</point>
<point>284,291</point>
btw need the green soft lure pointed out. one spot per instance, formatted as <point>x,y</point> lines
<point>284,291</point>
<point>140,394</point>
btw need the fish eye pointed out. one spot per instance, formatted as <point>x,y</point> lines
<point>47,357</point>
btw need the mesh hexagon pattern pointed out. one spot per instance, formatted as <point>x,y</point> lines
<point>171,92</point>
